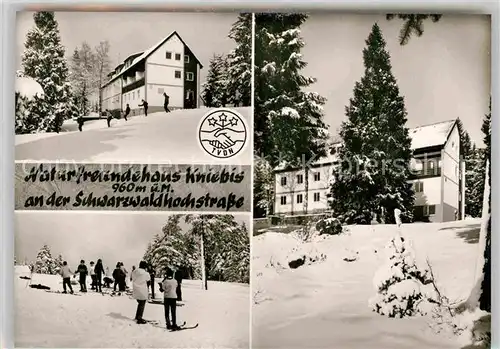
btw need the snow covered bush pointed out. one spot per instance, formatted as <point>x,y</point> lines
<point>45,263</point>
<point>404,288</point>
<point>329,226</point>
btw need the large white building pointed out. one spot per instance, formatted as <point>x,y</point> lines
<point>169,66</point>
<point>438,177</point>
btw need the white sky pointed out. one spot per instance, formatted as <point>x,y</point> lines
<point>444,74</point>
<point>112,236</point>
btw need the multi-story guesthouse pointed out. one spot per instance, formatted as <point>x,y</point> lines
<point>168,67</point>
<point>438,177</point>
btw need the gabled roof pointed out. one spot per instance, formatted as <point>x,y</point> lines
<point>140,56</point>
<point>431,135</point>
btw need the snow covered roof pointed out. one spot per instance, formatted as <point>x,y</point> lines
<point>140,56</point>
<point>431,135</point>
<point>424,136</point>
<point>28,87</point>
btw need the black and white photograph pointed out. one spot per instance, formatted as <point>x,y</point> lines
<point>131,86</point>
<point>371,181</point>
<point>131,280</point>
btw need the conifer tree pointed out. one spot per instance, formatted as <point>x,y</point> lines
<point>376,150</point>
<point>263,187</point>
<point>44,61</point>
<point>474,182</point>
<point>240,62</point>
<point>288,124</point>
<point>215,89</point>
<point>45,263</point>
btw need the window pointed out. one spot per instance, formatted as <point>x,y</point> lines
<point>316,176</point>
<point>299,198</point>
<point>133,95</point>
<point>283,181</point>
<point>160,90</point>
<point>138,94</point>
<point>316,197</point>
<point>177,56</point>
<point>168,55</point>
<point>189,76</point>
<point>177,74</point>
<point>300,179</point>
<point>186,59</point>
<point>431,209</point>
<point>419,187</point>
<point>283,200</point>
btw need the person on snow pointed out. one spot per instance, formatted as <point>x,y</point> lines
<point>92,276</point>
<point>123,284</point>
<point>99,272</point>
<point>133,268</point>
<point>152,275</point>
<point>80,123</point>
<point>169,286</point>
<point>166,101</point>
<point>66,276</point>
<point>178,278</point>
<point>140,276</point>
<point>145,105</point>
<point>127,112</point>
<point>117,276</point>
<point>82,272</point>
<point>108,117</point>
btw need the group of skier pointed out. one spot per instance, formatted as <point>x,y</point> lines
<point>143,281</point>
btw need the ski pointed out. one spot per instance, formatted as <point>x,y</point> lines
<point>60,292</point>
<point>184,327</point>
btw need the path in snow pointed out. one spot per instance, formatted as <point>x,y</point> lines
<point>325,305</point>
<point>158,138</point>
<point>94,321</point>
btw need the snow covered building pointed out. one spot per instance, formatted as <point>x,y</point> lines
<point>169,66</point>
<point>438,177</point>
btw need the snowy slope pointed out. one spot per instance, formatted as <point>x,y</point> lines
<point>50,320</point>
<point>158,138</point>
<point>325,305</point>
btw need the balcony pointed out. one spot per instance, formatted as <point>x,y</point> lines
<point>133,85</point>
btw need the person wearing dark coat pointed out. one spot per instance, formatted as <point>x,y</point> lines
<point>166,102</point>
<point>82,273</point>
<point>178,278</point>
<point>119,277</point>
<point>109,117</point>
<point>145,105</point>
<point>127,112</point>
<point>152,275</point>
<point>99,272</point>
<point>80,123</point>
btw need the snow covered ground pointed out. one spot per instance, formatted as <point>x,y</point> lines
<point>50,320</point>
<point>157,138</point>
<point>325,304</point>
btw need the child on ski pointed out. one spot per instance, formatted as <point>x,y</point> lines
<point>169,286</point>
<point>145,106</point>
<point>127,111</point>
<point>99,271</point>
<point>140,276</point>
<point>66,276</point>
<point>178,278</point>
<point>82,271</point>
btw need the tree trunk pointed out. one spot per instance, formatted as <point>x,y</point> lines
<point>306,187</point>
<point>473,300</point>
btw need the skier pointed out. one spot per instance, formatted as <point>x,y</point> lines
<point>140,290</point>
<point>80,123</point>
<point>169,286</point>
<point>99,271</point>
<point>82,271</point>
<point>145,105</point>
<point>117,276</point>
<point>127,111</point>
<point>66,276</point>
<point>123,284</point>
<point>165,103</point>
<point>109,117</point>
<point>92,276</point>
<point>133,268</point>
<point>178,278</point>
<point>152,275</point>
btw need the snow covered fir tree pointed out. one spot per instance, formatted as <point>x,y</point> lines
<point>45,263</point>
<point>215,89</point>
<point>44,61</point>
<point>289,126</point>
<point>207,247</point>
<point>372,179</point>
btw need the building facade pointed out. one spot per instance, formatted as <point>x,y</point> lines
<point>438,177</point>
<point>168,67</point>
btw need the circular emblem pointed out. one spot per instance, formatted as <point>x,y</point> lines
<point>223,133</point>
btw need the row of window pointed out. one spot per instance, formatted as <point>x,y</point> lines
<point>300,179</point>
<point>299,198</point>
<point>189,75</point>
<point>427,210</point>
<point>127,97</point>
<point>168,55</point>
